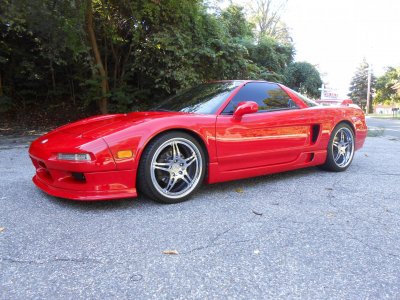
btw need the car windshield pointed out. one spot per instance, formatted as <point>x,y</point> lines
<point>203,99</point>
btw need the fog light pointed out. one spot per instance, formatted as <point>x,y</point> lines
<point>74,156</point>
<point>124,154</point>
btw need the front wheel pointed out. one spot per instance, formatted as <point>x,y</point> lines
<point>172,168</point>
<point>340,149</point>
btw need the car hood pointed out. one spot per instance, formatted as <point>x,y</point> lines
<point>103,125</point>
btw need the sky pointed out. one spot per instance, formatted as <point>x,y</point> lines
<point>335,35</point>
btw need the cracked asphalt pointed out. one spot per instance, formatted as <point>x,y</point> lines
<point>302,234</point>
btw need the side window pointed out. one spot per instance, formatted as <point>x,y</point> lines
<point>268,96</point>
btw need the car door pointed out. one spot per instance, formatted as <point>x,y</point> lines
<point>276,134</point>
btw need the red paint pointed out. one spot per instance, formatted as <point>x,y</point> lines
<point>247,107</point>
<point>238,147</point>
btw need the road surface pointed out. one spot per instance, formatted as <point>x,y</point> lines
<point>386,127</point>
<point>306,234</point>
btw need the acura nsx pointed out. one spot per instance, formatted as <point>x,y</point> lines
<point>210,133</point>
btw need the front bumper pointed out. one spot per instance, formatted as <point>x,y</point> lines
<point>105,185</point>
<point>99,179</point>
<point>88,195</point>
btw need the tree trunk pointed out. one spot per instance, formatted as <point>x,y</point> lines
<point>1,86</point>
<point>103,103</point>
<point>116,63</point>
<point>73,92</point>
<point>53,79</point>
<point>121,79</point>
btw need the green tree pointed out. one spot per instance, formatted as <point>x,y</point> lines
<point>304,78</point>
<point>90,56</point>
<point>271,57</point>
<point>267,15</point>
<point>359,85</point>
<point>39,42</point>
<point>235,22</point>
<point>384,92</point>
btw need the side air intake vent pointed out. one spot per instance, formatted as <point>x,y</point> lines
<point>315,129</point>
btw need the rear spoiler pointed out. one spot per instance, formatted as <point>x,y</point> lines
<point>350,103</point>
<point>347,102</point>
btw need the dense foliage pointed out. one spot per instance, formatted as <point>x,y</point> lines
<point>385,93</point>
<point>303,77</point>
<point>122,55</point>
<point>359,86</point>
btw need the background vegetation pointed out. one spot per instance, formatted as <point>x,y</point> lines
<point>359,86</point>
<point>61,60</point>
<point>385,93</point>
<point>382,88</point>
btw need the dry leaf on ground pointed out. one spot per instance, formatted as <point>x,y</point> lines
<point>2,229</point>
<point>170,252</point>
<point>330,214</point>
<point>239,190</point>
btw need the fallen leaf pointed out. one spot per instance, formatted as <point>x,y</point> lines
<point>136,277</point>
<point>239,190</point>
<point>330,214</point>
<point>170,252</point>
<point>257,213</point>
<point>329,189</point>
<point>2,229</point>
<point>366,154</point>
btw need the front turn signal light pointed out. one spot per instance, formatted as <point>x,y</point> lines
<point>74,156</point>
<point>124,154</point>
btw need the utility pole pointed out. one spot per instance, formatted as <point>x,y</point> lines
<point>368,88</point>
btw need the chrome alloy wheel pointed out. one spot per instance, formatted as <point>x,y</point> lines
<point>176,168</point>
<point>343,147</point>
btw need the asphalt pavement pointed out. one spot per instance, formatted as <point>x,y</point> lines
<point>386,127</point>
<point>304,234</point>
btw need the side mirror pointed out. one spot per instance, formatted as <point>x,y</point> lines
<point>246,107</point>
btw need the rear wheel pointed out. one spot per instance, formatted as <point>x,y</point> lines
<point>340,149</point>
<point>172,168</point>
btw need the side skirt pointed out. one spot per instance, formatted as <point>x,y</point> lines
<point>307,159</point>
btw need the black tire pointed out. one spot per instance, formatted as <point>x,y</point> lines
<point>158,167</point>
<point>336,160</point>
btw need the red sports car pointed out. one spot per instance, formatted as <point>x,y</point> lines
<point>213,132</point>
